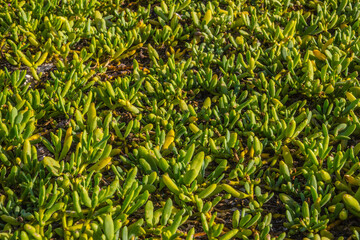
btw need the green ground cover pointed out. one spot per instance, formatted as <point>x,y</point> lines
<point>179,119</point>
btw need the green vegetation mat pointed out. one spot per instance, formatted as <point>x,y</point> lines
<point>179,119</point>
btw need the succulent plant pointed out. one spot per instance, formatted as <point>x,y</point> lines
<point>179,119</point>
